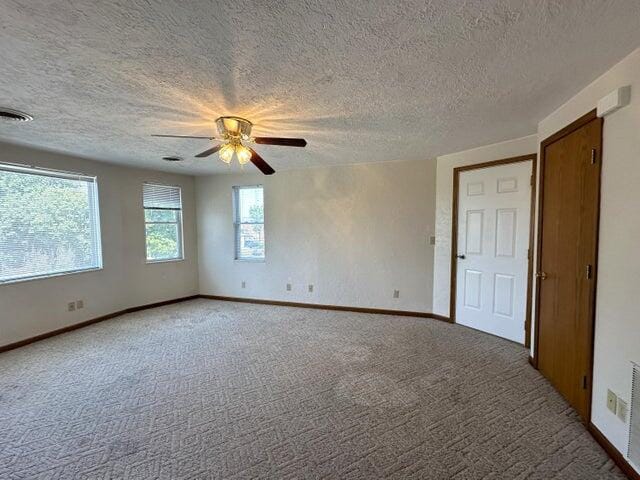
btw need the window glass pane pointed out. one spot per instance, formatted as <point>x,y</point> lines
<point>160,215</point>
<point>251,241</point>
<point>48,224</point>
<point>163,221</point>
<point>163,241</point>
<point>249,223</point>
<point>251,206</point>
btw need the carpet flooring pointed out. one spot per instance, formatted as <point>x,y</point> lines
<point>207,390</point>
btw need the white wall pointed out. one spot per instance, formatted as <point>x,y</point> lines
<point>355,232</point>
<point>34,307</point>
<point>617,334</point>
<point>444,203</point>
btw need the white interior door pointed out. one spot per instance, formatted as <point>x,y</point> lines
<point>493,240</point>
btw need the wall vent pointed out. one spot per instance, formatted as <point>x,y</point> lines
<point>10,115</point>
<point>633,454</point>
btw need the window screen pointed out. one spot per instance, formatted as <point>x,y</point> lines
<point>49,223</point>
<point>163,222</point>
<point>249,223</point>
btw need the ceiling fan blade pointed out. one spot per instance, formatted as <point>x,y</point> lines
<point>259,162</point>
<point>211,151</point>
<point>285,142</point>
<point>183,136</point>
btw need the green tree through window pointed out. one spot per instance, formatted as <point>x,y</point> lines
<point>48,224</point>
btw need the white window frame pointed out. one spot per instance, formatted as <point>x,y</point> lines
<point>179,223</point>
<point>94,206</point>
<point>237,224</point>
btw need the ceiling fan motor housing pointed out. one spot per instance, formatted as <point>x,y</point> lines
<point>234,128</point>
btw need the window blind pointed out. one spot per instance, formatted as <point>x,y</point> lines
<point>49,223</point>
<point>633,452</point>
<point>161,197</point>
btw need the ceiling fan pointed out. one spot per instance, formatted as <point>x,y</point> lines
<point>234,133</point>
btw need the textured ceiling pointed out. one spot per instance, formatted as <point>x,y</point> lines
<point>361,81</point>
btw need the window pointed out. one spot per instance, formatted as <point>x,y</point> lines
<point>49,223</point>
<point>249,222</point>
<point>163,222</point>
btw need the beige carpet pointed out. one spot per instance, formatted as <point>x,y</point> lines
<point>208,390</point>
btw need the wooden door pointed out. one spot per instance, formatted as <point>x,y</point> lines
<point>570,181</point>
<point>493,217</point>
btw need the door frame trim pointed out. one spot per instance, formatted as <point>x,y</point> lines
<point>572,127</point>
<point>454,234</point>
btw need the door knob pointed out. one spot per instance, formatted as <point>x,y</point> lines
<point>541,275</point>
<point>461,257</point>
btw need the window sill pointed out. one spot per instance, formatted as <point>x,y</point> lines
<point>50,275</point>
<point>168,260</point>
<point>250,260</point>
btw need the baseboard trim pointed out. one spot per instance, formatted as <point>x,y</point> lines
<point>318,306</point>
<point>75,326</point>
<point>615,455</point>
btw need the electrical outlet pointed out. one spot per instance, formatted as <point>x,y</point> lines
<point>432,240</point>
<point>288,287</point>
<point>244,284</point>
<point>79,304</point>
<point>396,294</point>
<point>612,401</point>
<point>71,306</point>
<point>310,288</point>
<point>623,410</point>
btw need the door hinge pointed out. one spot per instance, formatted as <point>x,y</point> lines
<point>589,272</point>
<point>584,382</point>
<point>593,156</point>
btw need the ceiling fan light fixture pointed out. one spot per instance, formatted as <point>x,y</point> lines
<point>226,153</point>
<point>243,154</point>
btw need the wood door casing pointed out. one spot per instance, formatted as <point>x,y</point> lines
<point>570,192</point>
